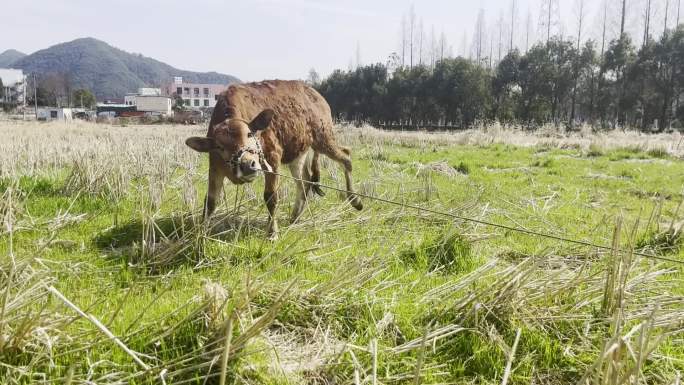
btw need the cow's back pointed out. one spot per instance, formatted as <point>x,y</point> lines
<point>298,107</point>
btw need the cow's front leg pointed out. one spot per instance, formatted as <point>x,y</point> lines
<point>271,199</point>
<point>214,189</point>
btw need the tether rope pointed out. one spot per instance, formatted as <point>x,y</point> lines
<point>479,221</point>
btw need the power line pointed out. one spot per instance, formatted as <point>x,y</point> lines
<point>479,221</point>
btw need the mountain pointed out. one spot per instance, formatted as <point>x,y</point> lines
<point>108,71</point>
<point>10,56</point>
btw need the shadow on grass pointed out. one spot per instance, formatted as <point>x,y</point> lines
<point>164,243</point>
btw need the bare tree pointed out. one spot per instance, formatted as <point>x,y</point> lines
<point>667,8</point>
<point>501,24</point>
<point>313,78</point>
<point>647,22</point>
<point>412,27</point>
<point>548,17</point>
<point>528,27</point>
<point>491,46</point>
<point>579,7</point>
<point>358,54</point>
<point>442,45</point>
<point>403,40</point>
<point>433,47</point>
<point>421,32</point>
<point>464,46</point>
<point>479,36</point>
<point>603,33</point>
<point>513,17</point>
<point>622,18</point>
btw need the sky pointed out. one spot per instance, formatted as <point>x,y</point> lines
<point>266,39</point>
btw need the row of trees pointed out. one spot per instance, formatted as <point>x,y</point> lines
<point>55,89</point>
<point>557,81</point>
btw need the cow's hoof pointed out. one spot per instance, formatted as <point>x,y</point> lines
<point>356,203</point>
<point>317,189</point>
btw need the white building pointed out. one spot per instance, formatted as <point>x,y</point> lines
<point>195,95</point>
<point>54,113</point>
<point>14,84</point>
<point>130,99</point>
<point>154,104</point>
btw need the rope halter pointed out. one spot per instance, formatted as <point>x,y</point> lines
<point>253,147</point>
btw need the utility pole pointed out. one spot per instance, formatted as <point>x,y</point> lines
<point>35,96</point>
<point>25,94</point>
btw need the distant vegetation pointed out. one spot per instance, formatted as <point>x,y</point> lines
<point>106,71</point>
<point>556,81</point>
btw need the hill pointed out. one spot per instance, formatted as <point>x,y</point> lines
<point>108,71</point>
<point>9,57</point>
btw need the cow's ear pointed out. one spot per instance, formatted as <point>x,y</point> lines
<point>262,120</point>
<point>201,144</point>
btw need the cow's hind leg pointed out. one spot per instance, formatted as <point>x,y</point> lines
<point>315,174</point>
<point>299,168</point>
<point>342,155</point>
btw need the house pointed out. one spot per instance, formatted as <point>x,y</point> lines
<point>113,110</point>
<point>54,114</point>
<point>154,104</point>
<point>14,84</point>
<point>195,95</point>
<point>130,99</point>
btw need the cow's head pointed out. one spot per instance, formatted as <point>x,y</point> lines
<point>236,142</point>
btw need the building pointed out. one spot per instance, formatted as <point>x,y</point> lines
<point>154,104</point>
<point>54,113</point>
<point>195,95</point>
<point>114,110</point>
<point>129,99</point>
<point>14,84</point>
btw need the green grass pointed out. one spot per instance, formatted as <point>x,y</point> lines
<point>138,259</point>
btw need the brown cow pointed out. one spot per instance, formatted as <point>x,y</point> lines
<point>256,127</point>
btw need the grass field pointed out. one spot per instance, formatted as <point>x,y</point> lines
<point>101,233</point>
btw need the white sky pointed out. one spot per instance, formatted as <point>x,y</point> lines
<point>262,39</point>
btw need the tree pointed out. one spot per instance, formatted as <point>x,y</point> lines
<point>83,98</point>
<point>580,19</point>
<point>313,79</point>
<point>2,90</point>
<point>504,86</point>
<point>178,103</point>
<point>513,17</point>
<point>412,27</point>
<point>479,36</point>
<point>617,59</point>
